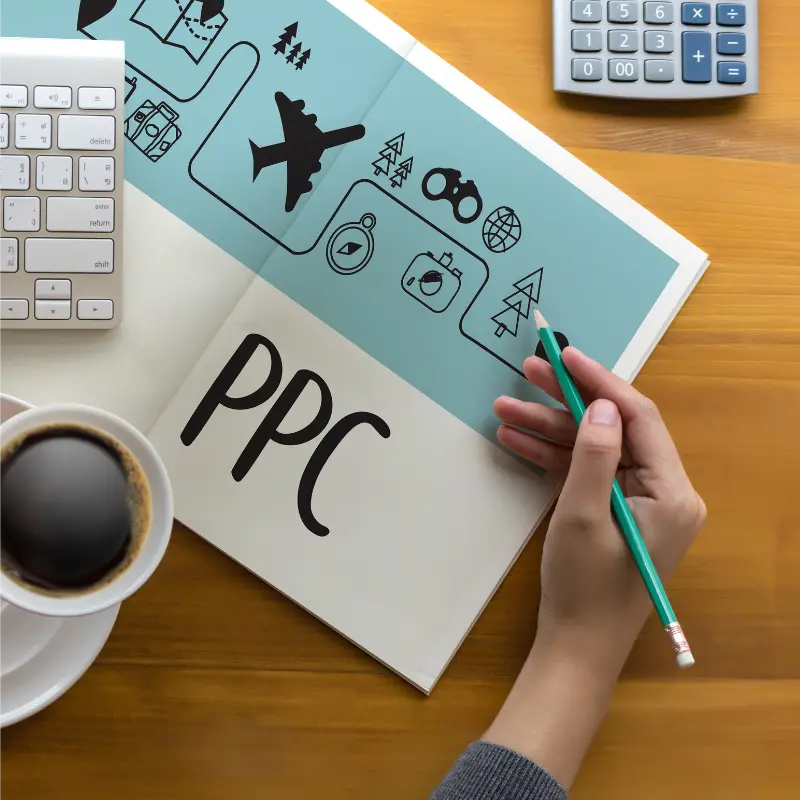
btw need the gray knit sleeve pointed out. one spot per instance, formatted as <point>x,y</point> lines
<point>489,772</point>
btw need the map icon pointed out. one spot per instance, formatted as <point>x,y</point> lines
<point>502,230</point>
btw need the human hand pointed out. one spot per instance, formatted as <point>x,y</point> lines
<point>593,598</point>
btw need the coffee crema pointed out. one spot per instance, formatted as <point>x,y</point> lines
<point>76,509</point>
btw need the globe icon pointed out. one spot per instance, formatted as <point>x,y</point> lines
<point>502,230</point>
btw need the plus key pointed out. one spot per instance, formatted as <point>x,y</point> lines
<point>697,61</point>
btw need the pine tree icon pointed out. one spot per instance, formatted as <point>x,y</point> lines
<point>303,60</point>
<point>518,304</point>
<point>295,52</point>
<point>402,172</point>
<point>286,38</point>
<point>389,155</point>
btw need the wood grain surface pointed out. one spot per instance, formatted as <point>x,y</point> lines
<point>214,686</point>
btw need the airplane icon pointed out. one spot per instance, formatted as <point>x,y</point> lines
<point>302,149</point>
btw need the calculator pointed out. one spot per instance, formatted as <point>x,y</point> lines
<point>61,176</point>
<point>655,50</point>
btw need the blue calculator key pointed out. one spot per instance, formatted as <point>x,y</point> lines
<point>696,14</point>
<point>731,14</point>
<point>697,67</point>
<point>731,71</point>
<point>731,44</point>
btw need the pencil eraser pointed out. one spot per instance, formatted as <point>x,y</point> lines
<point>685,660</point>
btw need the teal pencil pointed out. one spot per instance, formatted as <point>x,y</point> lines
<point>619,505</point>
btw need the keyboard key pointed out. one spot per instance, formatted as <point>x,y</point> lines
<point>696,13</point>
<point>623,41</point>
<point>586,11</point>
<point>658,70</point>
<point>96,99</point>
<point>587,69</point>
<point>86,132</point>
<point>95,309</point>
<point>52,309</point>
<point>15,172</point>
<point>659,41</point>
<point>54,173</point>
<point>696,57</point>
<point>659,13</point>
<point>13,96</point>
<point>9,254</point>
<point>92,214</point>
<point>731,44</point>
<point>623,69</point>
<point>731,71</point>
<point>733,14</point>
<point>622,12</point>
<point>59,289</point>
<point>586,41</point>
<point>33,131</point>
<point>96,174</point>
<point>3,131</point>
<point>13,308</point>
<point>52,97</point>
<point>21,213</point>
<point>69,255</point>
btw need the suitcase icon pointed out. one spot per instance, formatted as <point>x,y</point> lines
<point>152,129</point>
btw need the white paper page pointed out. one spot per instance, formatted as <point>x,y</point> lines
<point>423,525</point>
<point>178,289</point>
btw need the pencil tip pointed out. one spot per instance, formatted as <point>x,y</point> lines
<point>541,322</point>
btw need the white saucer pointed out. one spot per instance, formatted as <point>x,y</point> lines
<point>42,657</point>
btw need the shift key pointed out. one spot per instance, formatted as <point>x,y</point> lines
<point>81,214</point>
<point>69,255</point>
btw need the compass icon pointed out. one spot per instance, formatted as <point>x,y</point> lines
<point>351,246</point>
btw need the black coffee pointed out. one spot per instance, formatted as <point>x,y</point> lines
<point>75,508</point>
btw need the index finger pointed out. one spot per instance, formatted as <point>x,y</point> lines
<point>648,441</point>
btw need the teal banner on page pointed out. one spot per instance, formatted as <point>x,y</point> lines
<point>339,172</point>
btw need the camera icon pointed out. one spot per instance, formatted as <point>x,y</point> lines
<point>432,282</point>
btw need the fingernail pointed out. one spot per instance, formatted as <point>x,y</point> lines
<point>604,412</point>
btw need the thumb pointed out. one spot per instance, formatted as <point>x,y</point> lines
<point>595,460</point>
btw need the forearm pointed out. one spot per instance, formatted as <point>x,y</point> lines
<point>556,706</point>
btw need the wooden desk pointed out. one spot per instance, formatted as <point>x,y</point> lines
<point>213,686</point>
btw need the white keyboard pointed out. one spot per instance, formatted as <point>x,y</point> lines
<point>61,180</point>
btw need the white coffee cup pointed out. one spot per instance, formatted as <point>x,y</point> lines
<point>154,543</point>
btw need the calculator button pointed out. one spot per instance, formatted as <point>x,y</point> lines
<point>623,11</point>
<point>659,13</point>
<point>84,132</point>
<point>33,131</point>
<point>3,131</point>
<point>21,213</point>
<point>95,256</point>
<point>623,69</point>
<point>84,214</point>
<point>54,173</point>
<point>59,289</point>
<point>95,309</point>
<point>96,174</point>
<point>52,97</point>
<point>658,70</point>
<point>16,96</point>
<point>52,309</point>
<point>696,13</point>
<point>587,69</point>
<point>659,41</point>
<point>696,57</point>
<point>731,71</point>
<point>93,98</point>
<point>15,172</point>
<point>623,41</point>
<point>733,14</point>
<point>13,308</point>
<point>587,11</point>
<point>9,255</point>
<point>731,44</point>
<point>587,41</point>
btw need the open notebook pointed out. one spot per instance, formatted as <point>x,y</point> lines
<point>356,237</point>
